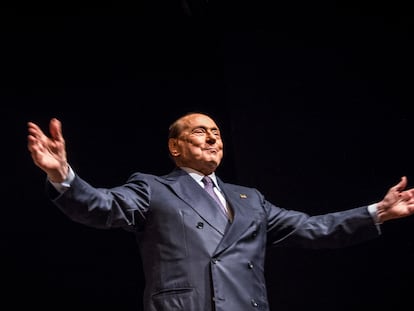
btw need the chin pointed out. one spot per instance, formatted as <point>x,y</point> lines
<point>213,165</point>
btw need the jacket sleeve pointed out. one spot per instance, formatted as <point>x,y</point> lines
<point>289,228</point>
<point>120,207</point>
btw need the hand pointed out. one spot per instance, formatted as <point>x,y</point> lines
<point>49,153</point>
<point>397,202</point>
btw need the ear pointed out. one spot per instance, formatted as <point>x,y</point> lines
<point>173,147</point>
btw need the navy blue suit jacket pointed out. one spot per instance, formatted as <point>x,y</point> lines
<point>191,260</point>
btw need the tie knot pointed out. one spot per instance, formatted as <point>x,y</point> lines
<point>208,182</point>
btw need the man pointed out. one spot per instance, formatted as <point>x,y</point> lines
<point>199,253</point>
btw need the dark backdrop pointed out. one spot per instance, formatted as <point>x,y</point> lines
<point>314,100</point>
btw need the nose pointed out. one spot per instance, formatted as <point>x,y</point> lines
<point>211,138</point>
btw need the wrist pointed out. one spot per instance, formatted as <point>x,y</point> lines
<point>59,175</point>
<point>381,211</point>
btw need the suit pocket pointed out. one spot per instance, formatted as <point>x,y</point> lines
<point>179,298</point>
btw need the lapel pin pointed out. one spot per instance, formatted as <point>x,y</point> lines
<point>243,196</point>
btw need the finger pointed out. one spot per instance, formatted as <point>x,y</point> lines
<point>410,194</point>
<point>402,184</point>
<point>33,129</point>
<point>55,128</point>
<point>35,146</point>
<point>31,142</point>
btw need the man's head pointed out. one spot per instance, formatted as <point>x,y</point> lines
<point>194,141</point>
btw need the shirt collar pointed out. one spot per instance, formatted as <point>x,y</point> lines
<point>198,176</point>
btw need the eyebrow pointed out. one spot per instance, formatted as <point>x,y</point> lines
<point>215,128</point>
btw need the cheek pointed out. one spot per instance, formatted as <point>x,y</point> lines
<point>192,144</point>
<point>191,148</point>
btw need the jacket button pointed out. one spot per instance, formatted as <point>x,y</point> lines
<point>254,234</point>
<point>200,225</point>
<point>250,265</point>
<point>254,303</point>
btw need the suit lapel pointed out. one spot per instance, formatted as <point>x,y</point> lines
<point>187,189</point>
<point>244,216</point>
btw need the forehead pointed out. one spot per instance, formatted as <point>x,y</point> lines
<point>198,120</point>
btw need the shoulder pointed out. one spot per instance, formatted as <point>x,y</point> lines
<point>152,178</point>
<point>239,188</point>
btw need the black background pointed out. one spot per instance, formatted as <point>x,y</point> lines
<point>314,101</point>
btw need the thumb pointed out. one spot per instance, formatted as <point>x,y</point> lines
<point>55,128</point>
<point>402,184</point>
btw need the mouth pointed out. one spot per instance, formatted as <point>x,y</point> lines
<point>211,150</point>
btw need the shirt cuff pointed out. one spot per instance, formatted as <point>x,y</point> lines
<point>64,185</point>
<point>372,209</point>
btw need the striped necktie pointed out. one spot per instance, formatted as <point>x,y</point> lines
<point>208,186</point>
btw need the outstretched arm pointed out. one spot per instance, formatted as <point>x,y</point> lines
<point>397,203</point>
<point>48,153</point>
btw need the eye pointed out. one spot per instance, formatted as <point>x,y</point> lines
<point>216,133</point>
<point>199,131</point>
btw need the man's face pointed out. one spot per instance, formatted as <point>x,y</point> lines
<point>199,145</point>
